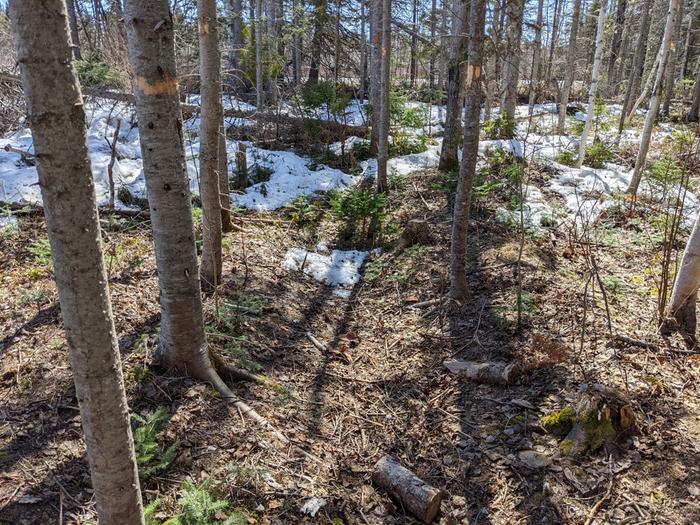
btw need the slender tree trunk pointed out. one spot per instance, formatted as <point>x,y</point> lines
<point>694,113</point>
<point>210,143</point>
<point>375,29</point>
<point>535,74</point>
<point>670,78</point>
<point>431,64</point>
<point>224,187</point>
<point>442,70</point>
<point>384,89</point>
<point>685,289</point>
<point>57,120</point>
<point>655,99</point>
<point>597,59</point>
<point>458,251</point>
<point>493,62</point>
<point>686,47</point>
<point>455,92</point>
<point>234,17</point>
<point>570,67</point>
<point>514,29</point>
<point>259,65</point>
<point>316,39</point>
<point>616,44</point>
<point>413,67</point>
<point>637,63</point>
<point>297,40</point>
<point>622,58</point>
<point>554,38</point>
<point>336,50</point>
<point>272,23</point>
<point>73,24</point>
<point>363,51</point>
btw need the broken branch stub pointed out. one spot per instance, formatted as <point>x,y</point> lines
<point>416,496</point>
<point>495,372</point>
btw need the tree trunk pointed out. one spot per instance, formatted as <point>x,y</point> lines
<point>224,187</point>
<point>685,289</point>
<point>514,29</point>
<point>455,92</point>
<point>336,50</point>
<point>234,17</point>
<point>57,120</point>
<point>670,77</point>
<point>493,62</point>
<point>655,99</point>
<point>570,67</point>
<point>686,47</point>
<point>637,63</point>
<point>694,113</point>
<point>536,65</point>
<point>554,37</point>
<point>459,287</point>
<point>73,24</point>
<point>431,64</point>
<point>616,44</point>
<point>363,51</point>
<point>316,40</point>
<point>259,66</point>
<point>413,62</point>
<point>297,41</point>
<point>375,31</point>
<point>597,59</point>
<point>211,119</point>
<point>272,44</point>
<point>384,88</point>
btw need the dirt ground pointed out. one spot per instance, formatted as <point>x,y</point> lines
<point>381,387</point>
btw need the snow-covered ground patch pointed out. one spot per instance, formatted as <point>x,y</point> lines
<point>292,176</point>
<point>536,211</point>
<point>405,164</point>
<point>337,268</point>
<point>337,148</point>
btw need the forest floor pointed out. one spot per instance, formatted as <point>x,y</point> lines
<point>380,388</point>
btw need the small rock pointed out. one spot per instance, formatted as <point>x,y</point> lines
<point>694,490</point>
<point>534,460</point>
<point>312,506</point>
<point>459,501</point>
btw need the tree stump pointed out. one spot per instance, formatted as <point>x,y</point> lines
<point>416,496</point>
<point>241,167</point>
<point>495,372</point>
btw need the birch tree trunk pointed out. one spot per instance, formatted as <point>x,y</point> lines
<point>211,119</point>
<point>384,88</point>
<point>455,92</point>
<point>460,221</point>
<point>685,289</point>
<point>236,44</point>
<point>535,74</point>
<point>597,59</point>
<point>670,76</point>
<point>570,67</point>
<point>514,29</point>
<point>655,98</point>
<point>637,63</point>
<point>57,120</point>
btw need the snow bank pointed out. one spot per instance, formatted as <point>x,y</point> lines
<point>339,269</point>
<point>405,164</point>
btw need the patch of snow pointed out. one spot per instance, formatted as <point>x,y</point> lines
<point>337,147</point>
<point>537,212</point>
<point>339,269</point>
<point>405,164</point>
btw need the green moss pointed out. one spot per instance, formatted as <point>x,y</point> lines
<point>599,429</point>
<point>566,446</point>
<point>559,422</point>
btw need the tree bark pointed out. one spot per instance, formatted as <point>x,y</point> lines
<point>210,143</point>
<point>685,289</point>
<point>637,63</point>
<point>514,29</point>
<point>616,45</point>
<point>413,61</point>
<point>234,16</point>
<point>670,77</point>
<point>297,41</point>
<point>593,91</point>
<point>558,4</point>
<point>259,65</point>
<point>431,63</point>
<point>224,186</point>
<point>57,120</point>
<point>375,31</point>
<point>384,89</point>
<point>73,24</point>
<point>316,40</point>
<point>535,74</point>
<point>694,113</point>
<point>459,287</point>
<point>419,498</point>
<point>570,67</point>
<point>455,84</point>
<point>363,51</point>
<point>655,98</point>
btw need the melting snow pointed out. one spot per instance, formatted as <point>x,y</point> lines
<point>339,269</point>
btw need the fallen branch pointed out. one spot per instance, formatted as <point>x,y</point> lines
<point>495,372</point>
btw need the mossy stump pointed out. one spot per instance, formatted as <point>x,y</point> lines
<point>599,417</point>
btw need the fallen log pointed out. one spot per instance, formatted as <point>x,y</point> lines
<point>495,372</point>
<point>416,496</point>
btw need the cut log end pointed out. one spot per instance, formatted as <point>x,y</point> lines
<point>416,496</point>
